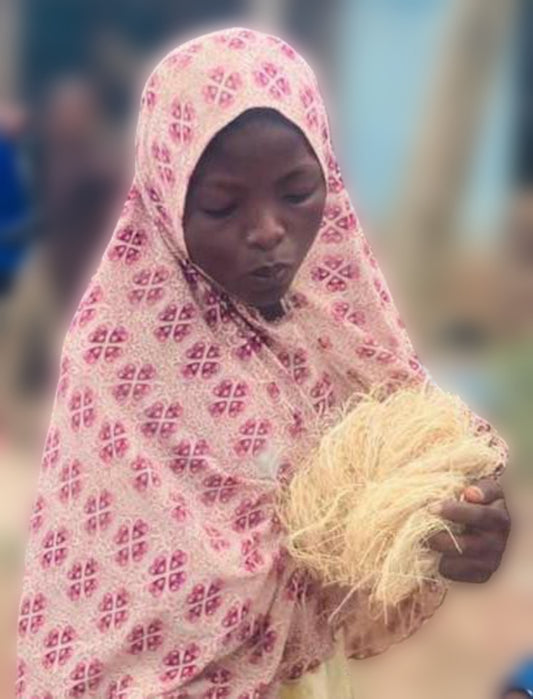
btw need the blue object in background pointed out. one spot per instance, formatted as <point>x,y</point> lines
<point>386,52</point>
<point>522,680</point>
<point>13,211</point>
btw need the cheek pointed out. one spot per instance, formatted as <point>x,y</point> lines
<point>201,240</point>
<point>306,224</point>
<point>213,247</point>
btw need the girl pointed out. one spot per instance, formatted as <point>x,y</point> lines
<point>236,304</point>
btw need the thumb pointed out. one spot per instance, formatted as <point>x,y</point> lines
<point>484,492</point>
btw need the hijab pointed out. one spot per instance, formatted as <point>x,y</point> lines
<point>156,564</point>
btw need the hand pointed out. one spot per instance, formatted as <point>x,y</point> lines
<point>485,529</point>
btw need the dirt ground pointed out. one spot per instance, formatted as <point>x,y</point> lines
<point>462,653</point>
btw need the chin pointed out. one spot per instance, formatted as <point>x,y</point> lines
<point>262,297</point>
<point>266,300</point>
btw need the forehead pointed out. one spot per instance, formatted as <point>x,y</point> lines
<point>256,142</point>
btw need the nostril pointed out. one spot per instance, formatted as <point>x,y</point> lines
<point>266,237</point>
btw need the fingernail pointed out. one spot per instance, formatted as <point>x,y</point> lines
<point>474,493</point>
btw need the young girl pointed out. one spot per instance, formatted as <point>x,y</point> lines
<point>236,304</point>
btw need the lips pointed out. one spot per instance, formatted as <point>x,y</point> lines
<point>274,272</point>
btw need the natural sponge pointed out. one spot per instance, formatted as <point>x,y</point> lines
<point>358,512</point>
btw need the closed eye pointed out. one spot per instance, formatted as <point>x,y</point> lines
<point>298,198</point>
<point>220,213</point>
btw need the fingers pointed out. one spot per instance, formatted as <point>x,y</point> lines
<point>494,518</point>
<point>461,569</point>
<point>485,523</point>
<point>466,544</point>
<point>485,491</point>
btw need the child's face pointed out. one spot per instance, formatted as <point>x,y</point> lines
<point>254,208</point>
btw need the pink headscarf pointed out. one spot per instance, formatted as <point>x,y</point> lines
<point>156,565</point>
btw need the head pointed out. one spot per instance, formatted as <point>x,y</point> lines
<point>254,206</point>
<point>70,111</point>
<point>234,161</point>
<point>13,120</point>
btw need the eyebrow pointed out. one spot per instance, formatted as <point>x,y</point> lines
<point>301,171</point>
<point>228,182</point>
<point>221,182</point>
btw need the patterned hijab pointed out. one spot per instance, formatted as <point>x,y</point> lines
<point>156,564</point>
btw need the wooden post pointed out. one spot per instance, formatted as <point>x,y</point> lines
<point>267,15</point>
<point>421,227</point>
<point>9,38</point>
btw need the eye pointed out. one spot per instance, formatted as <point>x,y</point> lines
<point>299,197</point>
<point>220,213</point>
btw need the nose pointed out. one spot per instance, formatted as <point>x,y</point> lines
<point>265,231</point>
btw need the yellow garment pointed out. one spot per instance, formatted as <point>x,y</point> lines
<point>332,680</point>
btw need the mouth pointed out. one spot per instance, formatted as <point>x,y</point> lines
<point>272,273</point>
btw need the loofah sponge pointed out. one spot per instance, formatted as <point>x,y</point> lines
<point>358,511</point>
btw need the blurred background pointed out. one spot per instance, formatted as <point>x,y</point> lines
<point>431,103</point>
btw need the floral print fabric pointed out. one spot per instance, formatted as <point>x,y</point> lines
<point>155,565</point>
